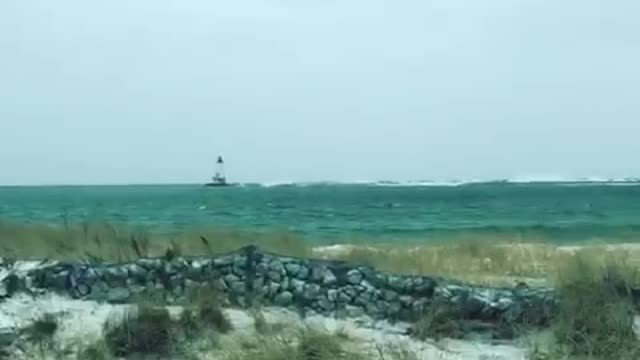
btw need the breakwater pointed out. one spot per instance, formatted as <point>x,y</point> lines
<point>250,276</point>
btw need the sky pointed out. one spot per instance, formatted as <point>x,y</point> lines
<point>151,91</point>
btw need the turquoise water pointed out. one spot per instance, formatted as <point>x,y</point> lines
<point>339,212</point>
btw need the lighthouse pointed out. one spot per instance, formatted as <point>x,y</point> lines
<point>219,179</point>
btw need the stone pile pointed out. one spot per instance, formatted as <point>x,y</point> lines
<point>250,276</point>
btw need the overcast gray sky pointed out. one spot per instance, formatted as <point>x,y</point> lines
<point>151,91</point>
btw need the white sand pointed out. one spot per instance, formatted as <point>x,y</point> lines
<point>367,334</point>
<point>83,321</point>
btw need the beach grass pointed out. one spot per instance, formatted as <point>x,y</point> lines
<point>482,260</point>
<point>595,319</point>
<point>118,243</point>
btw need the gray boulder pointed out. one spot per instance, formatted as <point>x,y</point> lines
<point>354,277</point>
<point>118,295</point>
<point>283,299</point>
<point>292,269</point>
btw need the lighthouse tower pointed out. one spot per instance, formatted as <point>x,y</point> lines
<point>219,179</point>
<point>220,170</point>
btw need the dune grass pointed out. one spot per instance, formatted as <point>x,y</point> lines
<point>485,261</point>
<point>110,242</point>
<point>307,344</point>
<point>595,319</point>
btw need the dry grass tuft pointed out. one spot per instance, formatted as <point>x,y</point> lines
<point>439,321</point>
<point>596,314</point>
<point>206,308</point>
<point>148,331</point>
<point>43,329</point>
<point>108,242</point>
<point>307,344</point>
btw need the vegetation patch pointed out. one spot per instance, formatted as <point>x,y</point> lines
<point>439,321</point>
<point>43,329</point>
<point>596,313</point>
<point>207,310</point>
<point>149,330</point>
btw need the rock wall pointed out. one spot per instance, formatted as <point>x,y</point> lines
<point>250,276</point>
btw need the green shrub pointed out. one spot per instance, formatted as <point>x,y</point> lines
<point>439,321</point>
<point>96,351</point>
<point>189,323</point>
<point>150,330</point>
<point>43,329</point>
<point>595,315</point>
<point>316,345</point>
<point>208,310</point>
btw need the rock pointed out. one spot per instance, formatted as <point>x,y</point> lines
<point>223,261</point>
<point>118,295</point>
<point>273,289</point>
<point>285,283</point>
<point>220,285</point>
<point>344,297</point>
<point>394,309</point>
<point>169,268</point>
<point>450,291</point>
<point>419,306</point>
<point>136,271</point>
<point>137,289</point>
<point>99,291</point>
<point>406,300</point>
<point>363,299</point>
<point>283,299</point>
<point>332,295</point>
<point>175,282</point>
<point>149,264</point>
<point>350,291</point>
<point>262,269</point>
<point>396,283</point>
<point>238,269</point>
<point>389,295</point>
<point>303,274</point>
<point>274,276</point>
<point>382,305</point>
<point>231,278</point>
<point>317,273</point>
<point>325,304</point>
<point>372,309</point>
<point>277,267</point>
<point>259,282</point>
<point>354,311</point>
<point>195,271</point>
<point>59,281</point>
<point>115,276</point>
<point>292,269</point>
<point>473,307</point>
<point>354,277</point>
<point>212,273</point>
<point>503,304</point>
<point>329,278</point>
<point>424,287</point>
<point>238,288</point>
<point>297,285</point>
<point>311,291</point>
<point>341,313</point>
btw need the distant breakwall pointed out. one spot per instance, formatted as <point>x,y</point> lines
<point>250,276</point>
